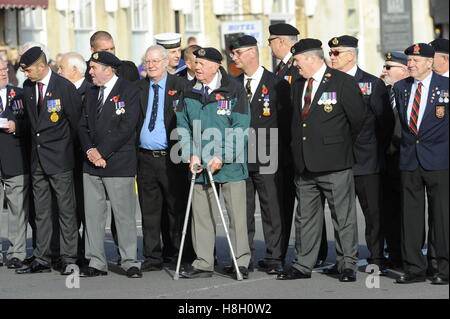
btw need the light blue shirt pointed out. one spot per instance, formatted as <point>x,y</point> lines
<point>156,139</point>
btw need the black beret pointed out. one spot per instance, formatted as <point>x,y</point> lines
<point>440,45</point>
<point>30,57</point>
<point>343,41</point>
<point>106,58</point>
<point>398,57</point>
<point>305,45</point>
<point>210,54</point>
<point>283,29</point>
<point>421,49</point>
<point>243,42</point>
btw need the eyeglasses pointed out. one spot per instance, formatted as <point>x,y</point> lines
<point>239,53</point>
<point>147,62</point>
<point>4,70</point>
<point>388,67</point>
<point>271,39</point>
<point>336,52</point>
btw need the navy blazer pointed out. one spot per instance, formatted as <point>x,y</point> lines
<point>430,147</point>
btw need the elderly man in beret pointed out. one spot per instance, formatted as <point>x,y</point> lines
<point>325,125</point>
<point>219,103</point>
<point>108,139</point>
<point>53,107</point>
<point>441,63</point>
<point>422,100</point>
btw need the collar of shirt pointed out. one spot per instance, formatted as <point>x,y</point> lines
<point>426,82</point>
<point>109,86</point>
<point>353,71</point>
<point>79,83</point>
<point>317,80</point>
<point>214,84</point>
<point>161,83</point>
<point>45,81</point>
<point>256,78</point>
<point>287,57</point>
<point>445,74</point>
<point>189,77</point>
<point>3,96</point>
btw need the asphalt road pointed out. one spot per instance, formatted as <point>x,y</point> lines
<point>160,285</point>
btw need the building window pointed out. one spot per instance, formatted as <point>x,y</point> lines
<point>193,22</point>
<point>139,15</point>
<point>84,15</point>
<point>31,19</point>
<point>280,6</point>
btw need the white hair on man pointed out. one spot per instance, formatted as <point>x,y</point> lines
<point>160,48</point>
<point>76,60</point>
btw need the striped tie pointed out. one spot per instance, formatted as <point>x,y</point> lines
<point>308,98</point>
<point>415,110</point>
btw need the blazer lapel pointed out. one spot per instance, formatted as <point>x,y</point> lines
<point>109,103</point>
<point>321,89</point>
<point>254,101</point>
<point>48,96</point>
<point>144,96</point>
<point>431,100</point>
<point>406,94</point>
<point>168,99</point>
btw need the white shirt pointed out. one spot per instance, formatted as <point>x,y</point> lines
<point>45,81</point>
<point>423,100</point>
<point>78,83</point>
<point>256,78</point>
<point>287,57</point>
<point>353,71</point>
<point>189,77</point>
<point>318,76</point>
<point>4,97</point>
<point>445,74</point>
<point>108,87</point>
<point>214,84</point>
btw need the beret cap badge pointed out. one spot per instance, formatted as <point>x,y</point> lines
<point>416,49</point>
<point>335,41</point>
<point>201,52</point>
<point>389,55</point>
<point>95,56</point>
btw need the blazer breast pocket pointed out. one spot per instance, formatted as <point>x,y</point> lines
<point>327,140</point>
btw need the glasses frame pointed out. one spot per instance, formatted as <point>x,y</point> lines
<point>388,67</point>
<point>271,39</point>
<point>337,52</point>
<point>239,53</point>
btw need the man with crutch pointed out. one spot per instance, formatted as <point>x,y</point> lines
<point>215,106</point>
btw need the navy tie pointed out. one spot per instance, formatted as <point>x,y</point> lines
<point>100,100</point>
<point>151,124</point>
<point>205,93</point>
<point>1,104</point>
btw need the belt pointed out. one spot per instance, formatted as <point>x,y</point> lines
<point>154,153</point>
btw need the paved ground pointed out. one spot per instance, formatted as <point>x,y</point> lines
<point>160,285</point>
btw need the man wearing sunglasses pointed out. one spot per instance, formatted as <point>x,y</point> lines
<point>371,143</point>
<point>395,69</point>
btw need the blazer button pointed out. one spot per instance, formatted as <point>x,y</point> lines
<point>304,125</point>
<point>304,138</point>
<point>417,142</point>
<point>37,134</point>
<point>39,145</point>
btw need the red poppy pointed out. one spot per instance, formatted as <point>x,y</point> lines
<point>218,97</point>
<point>265,91</point>
<point>115,99</point>
<point>171,93</point>
<point>12,94</point>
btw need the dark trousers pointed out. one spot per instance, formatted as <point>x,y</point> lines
<point>414,186</point>
<point>61,186</point>
<point>367,189</point>
<point>79,195</point>
<point>162,188</point>
<point>391,209</point>
<point>269,197</point>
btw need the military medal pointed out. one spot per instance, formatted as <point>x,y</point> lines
<point>54,117</point>
<point>266,109</point>
<point>120,107</point>
<point>118,112</point>
<point>333,97</point>
<point>328,108</point>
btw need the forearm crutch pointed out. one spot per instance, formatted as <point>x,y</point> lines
<point>186,220</point>
<point>211,179</point>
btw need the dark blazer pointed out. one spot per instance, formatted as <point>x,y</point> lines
<point>397,132</point>
<point>85,86</point>
<point>52,141</point>
<point>289,72</point>
<point>127,71</point>
<point>374,138</point>
<point>175,85</point>
<point>13,158</point>
<point>280,115</point>
<point>430,147</point>
<point>323,142</point>
<point>112,134</point>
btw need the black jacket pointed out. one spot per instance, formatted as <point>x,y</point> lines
<point>52,133</point>
<point>323,141</point>
<point>127,71</point>
<point>279,117</point>
<point>374,138</point>
<point>13,157</point>
<point>289,72</point>
<point>111,133</point>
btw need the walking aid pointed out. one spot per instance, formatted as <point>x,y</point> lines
<point>211,179</point>
<point>186,219</point>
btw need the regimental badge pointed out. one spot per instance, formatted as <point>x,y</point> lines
<point>54,117</point>
<point>366,88</point>
<point>440,112</point>
<point>389,55</point>
<point>95,56</point>
<point>201,52</point>
<point>288,78</point>
<point>416,49</point>
<point>335,41</point>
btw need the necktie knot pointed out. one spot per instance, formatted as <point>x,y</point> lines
<point>155,87</point>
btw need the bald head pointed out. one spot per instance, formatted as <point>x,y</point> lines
<point>72,67</point>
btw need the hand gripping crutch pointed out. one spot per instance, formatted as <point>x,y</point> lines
<point>211,179</point>
<point>186,220</point>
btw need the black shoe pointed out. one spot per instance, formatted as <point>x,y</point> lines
<point>196,273</point>
<point>229,269</point>
<point>438,280</point>
<point>68,269</point>
<point>431,272</point>
<point>134,272</point>
<point>292,274</point>
<point>243,270</point>
<point>58,265</point>
<point>262,263</point>
<point>348,275</point>
<point>274,270</point>
<point>331,271</point>
<point>92,272</point>
<point>409,278</point>
<point>28,261</point>
<point>34,268</point>
<point>14,263</point>
<point>150,267</point>
<point>1,264</point>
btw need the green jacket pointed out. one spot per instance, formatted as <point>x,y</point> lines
<point>216,125</point>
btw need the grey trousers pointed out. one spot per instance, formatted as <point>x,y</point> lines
<point>204,216</point>
<point>17,196</point>
<point>122,196</point>
<point>339,190</point>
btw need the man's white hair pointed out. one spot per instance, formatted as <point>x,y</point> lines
<point>76,60</point>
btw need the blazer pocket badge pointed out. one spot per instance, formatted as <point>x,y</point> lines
<point>365,87</point>
<point>440,112</point>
